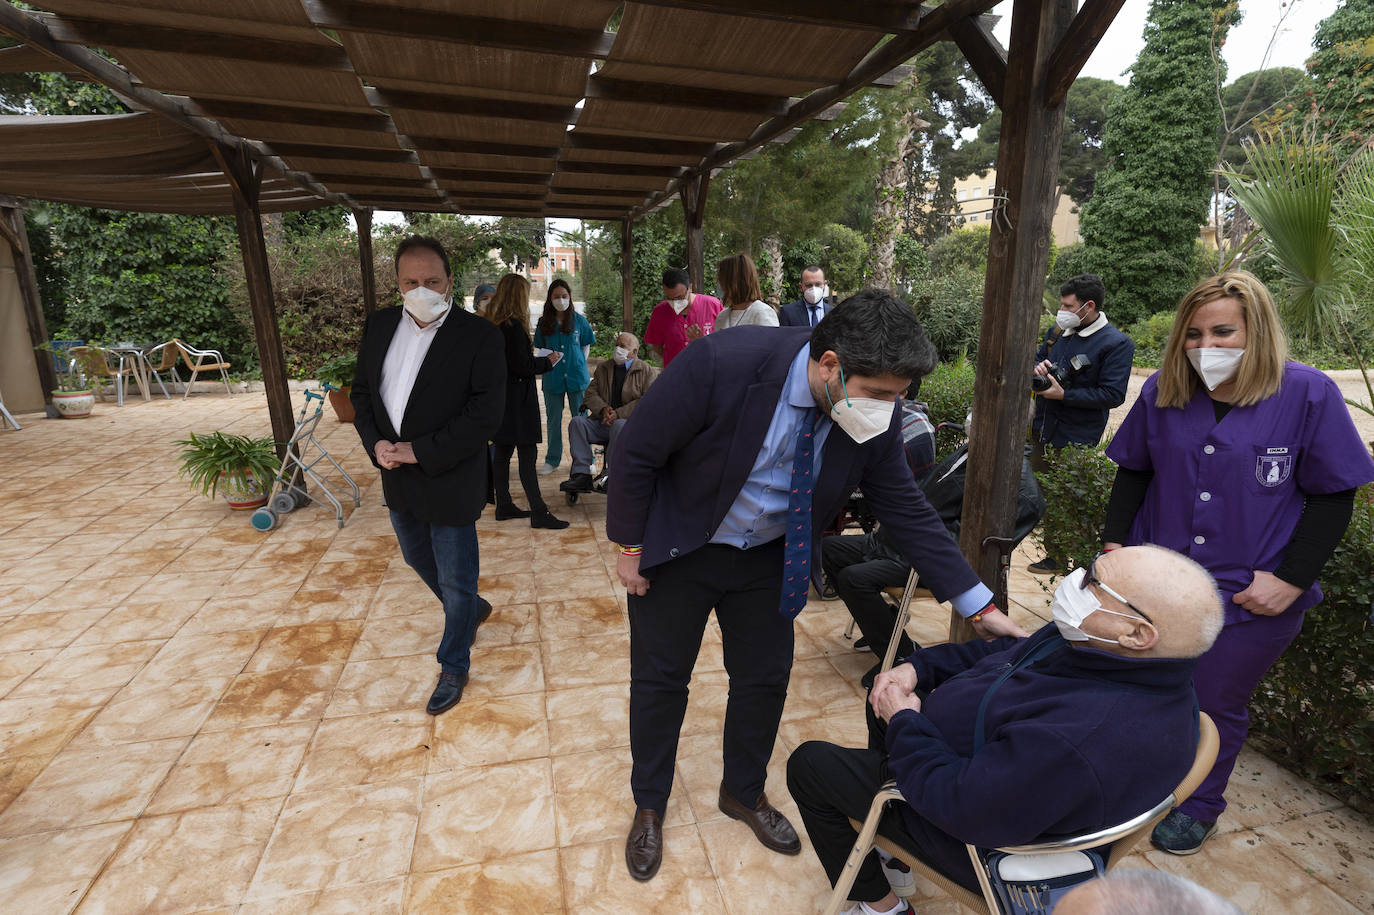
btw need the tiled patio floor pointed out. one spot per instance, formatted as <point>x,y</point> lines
<point>197,717</point>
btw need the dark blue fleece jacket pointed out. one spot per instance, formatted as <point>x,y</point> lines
<point>1078,740</point>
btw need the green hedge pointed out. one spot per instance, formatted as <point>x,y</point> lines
<point>1076,487</point>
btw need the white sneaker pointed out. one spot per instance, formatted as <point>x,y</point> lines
<point>546,469</point>
<point>899,876</point>
<point>860,908</point>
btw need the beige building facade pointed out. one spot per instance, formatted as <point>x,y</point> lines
<point>975,202</point>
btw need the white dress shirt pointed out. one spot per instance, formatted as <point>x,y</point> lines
<point>404,357</point>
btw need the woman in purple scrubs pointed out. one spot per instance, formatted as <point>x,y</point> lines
<point>1248,463</point>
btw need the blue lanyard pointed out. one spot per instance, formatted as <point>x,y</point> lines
<point>1050,645</point>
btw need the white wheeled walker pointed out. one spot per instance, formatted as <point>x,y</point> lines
<point>303,452</point>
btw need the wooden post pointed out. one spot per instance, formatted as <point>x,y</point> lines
<point>1018,255</point>
<point>627,276</point>
<point>693,196</point>
<point>12,217</point>
<point>245,177</point>
<point>364,220</point>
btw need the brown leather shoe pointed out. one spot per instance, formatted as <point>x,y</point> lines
<point>770,826</point>
<point>644,847</point>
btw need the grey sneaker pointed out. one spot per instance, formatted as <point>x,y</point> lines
<point>1180,834</point>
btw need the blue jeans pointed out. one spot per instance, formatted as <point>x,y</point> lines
<point>445,558</point>
<point>553,414</point>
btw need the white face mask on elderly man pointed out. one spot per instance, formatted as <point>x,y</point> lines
<point>621,356</point>
<point>862,418</point>
<point>424,304</point>
<point>1074,603</point>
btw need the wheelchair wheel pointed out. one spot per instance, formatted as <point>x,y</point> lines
<point>571,497</point>
<point>264,519</point>
<point>283,503</point>
<point>301,497</point>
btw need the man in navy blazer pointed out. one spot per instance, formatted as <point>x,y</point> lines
<point>814,304</point>
<point>429,391</point>
<point>702,506</point>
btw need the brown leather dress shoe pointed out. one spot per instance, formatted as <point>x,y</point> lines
<point>644,847</point>
<point>770,826</point>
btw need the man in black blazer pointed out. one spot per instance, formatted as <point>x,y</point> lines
<point>725,478</point>
<point>814,304</point>
<point>428,394</point>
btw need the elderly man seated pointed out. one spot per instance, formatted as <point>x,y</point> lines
<point>612,396</point>
<point>1083,725</point>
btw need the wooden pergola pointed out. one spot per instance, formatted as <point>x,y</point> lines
<point>542,108</point>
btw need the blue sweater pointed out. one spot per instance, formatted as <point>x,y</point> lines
<point>1077,741</point>
<point>1091,393</point>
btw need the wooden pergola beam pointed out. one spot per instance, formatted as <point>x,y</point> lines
<point>627,276</point>
<point>366,264</point>
<point>607,142</point>
<point>302,115</point>
<point>666,94</point>
<point>693,192</point>
<point>600,192</point>
<point>344,153</point>
<point>984,53</point>
<point>101,33</point>
<point>876,15</point>
<point>1078,44</point>
<point>479,147</point>
<point>472,105</point>
<point>31,30</point>
<point>383,19</point>
<point>622,168</point>
<point>474,174</point>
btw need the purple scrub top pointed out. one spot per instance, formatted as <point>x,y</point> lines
<point>1229,494</point>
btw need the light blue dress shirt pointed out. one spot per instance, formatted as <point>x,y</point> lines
<point>759,513</point>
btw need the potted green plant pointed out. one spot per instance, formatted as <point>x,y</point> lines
<point>244,467</point>
<point>338,371</point>
<point>73,398</point>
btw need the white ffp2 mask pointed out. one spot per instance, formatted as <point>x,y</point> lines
<point>424,304</point>
<point>679,305</point>
<point>1216,365</point>
<point>1074,603</point>
<point>815,294</point>
<point>862,418</point>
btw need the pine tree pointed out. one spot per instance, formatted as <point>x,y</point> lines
<point>1141,226</point>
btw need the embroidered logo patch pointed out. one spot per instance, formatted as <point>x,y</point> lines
<point>1273,467</point>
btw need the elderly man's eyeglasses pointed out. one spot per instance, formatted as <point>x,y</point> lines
<point>1090,578</point>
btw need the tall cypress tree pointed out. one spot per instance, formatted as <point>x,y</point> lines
<point>1141,226</point>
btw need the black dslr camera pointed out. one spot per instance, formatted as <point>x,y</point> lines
<point>1060,373</point>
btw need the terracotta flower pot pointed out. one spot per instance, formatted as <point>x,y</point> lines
<point>73,404</point>
<point>241,498</point>
<point>343,407</point>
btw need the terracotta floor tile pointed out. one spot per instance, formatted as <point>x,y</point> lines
<point>582,617</point>
<point>51,629</point>
<point>323,606</point>
<point>741,864</point>
<point>202,654</point>
<point>339,837</point>
<point>82,787</point>
<point>15,774</point>
<point>85,594</point>
<point>383,685</point>
<point>235,766</point>
<point>1333,845</point>
<point>815,689</point>
<point>89,668</point>
<point>588,718</point>
<point>484,731</point>
<point>15,666</point>
<point>228,614</point>
<point>279,549</point>
<point>141,622</point>
<point>1261,792</point>
<point>381,747</point>
<point>398,636</point>
<point>845,730</point>
<point>305,645</point>
<point>42,725</point>
<point>700,768</point>
<point>375,546</point>
<point>474,815</point>
<point>153,709</point>
<point>352,573</point>
<point>596,881</point>
<point>529,883</point>
<point>506,670</point>
<point>274,697</point>
<point>510,624</point>
<point>587,661</point>
<point>593,799</point>
<point>403,598</point>
<point>49,876</point>
<point>570,584</point>
<point>278,577</point>
<point>385,897</point>
<point>184,862</point>
<point>178,587</point>
<point>509,588</point>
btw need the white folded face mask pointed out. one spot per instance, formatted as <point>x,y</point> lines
<point>1216,365</point>
<point>425,304</point>
<point>679,305</point>
<point>862,418</point>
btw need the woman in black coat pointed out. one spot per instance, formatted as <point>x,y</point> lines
<point>520,430</point>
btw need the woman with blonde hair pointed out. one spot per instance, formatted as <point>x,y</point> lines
<point>520,431</point>
<point>1248,463</point>
<point>739,291</point>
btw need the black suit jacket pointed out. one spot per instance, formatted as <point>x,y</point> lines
<point>684,456</point>
<point>795,314</point>
<point>454,409</point>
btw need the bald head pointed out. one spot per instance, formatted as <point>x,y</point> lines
<point>627,340</point>
<point>1143,892</point>
<point>1178,595</point>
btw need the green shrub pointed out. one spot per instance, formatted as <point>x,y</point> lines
<point>1077,485</point>
<point>1149,337</point>
<point>948,393</point>
<point>1314,711</point>
<point>949,305</point>
<point>965,248</point>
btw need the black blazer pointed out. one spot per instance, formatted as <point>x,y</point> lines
<point>520,422</point>
<point>453,410</point>
<point>795,314</point>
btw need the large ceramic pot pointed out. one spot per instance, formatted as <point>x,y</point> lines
<point>343,407</point>
<point>254,495</point>
<point>73,404</point>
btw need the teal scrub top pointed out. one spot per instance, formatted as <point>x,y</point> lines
<point>570,374</point>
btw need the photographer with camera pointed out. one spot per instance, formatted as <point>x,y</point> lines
<point>1081,372</point>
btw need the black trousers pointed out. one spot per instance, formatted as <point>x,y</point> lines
<point>529,477</point>
<point>860,584</point>
<point>744,587</point>
<point>831,784</point>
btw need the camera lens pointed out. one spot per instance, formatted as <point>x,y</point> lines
<point>1040,383</point>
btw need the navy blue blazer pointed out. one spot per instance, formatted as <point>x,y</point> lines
<point>795,314</point>
<point>684,455</point>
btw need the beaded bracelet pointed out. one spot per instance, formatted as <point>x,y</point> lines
<point>631,550</point>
